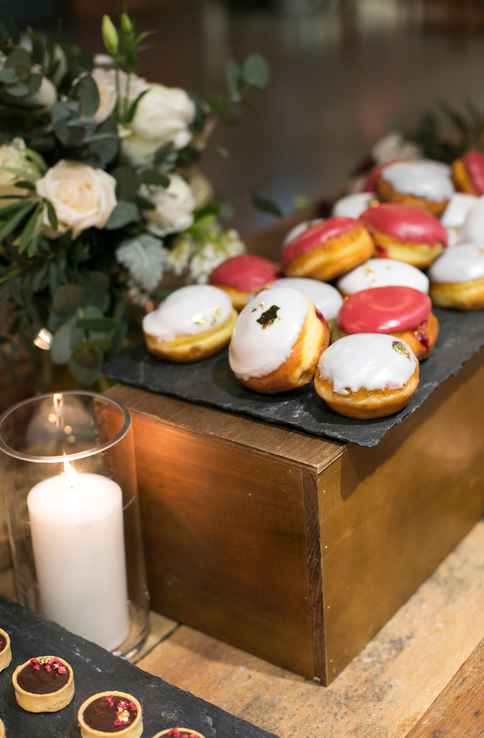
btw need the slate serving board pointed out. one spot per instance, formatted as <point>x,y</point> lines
<point>96,670</point>
<point>210,382</point>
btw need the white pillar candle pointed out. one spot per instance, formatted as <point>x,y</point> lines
<point>76,523</point>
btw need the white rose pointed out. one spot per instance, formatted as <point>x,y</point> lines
<point>83,197</point>
<point>15,164</point>
<point>173,207</point>
<point>130,86</point>
<point>139,152</point>
<point>165,114</point>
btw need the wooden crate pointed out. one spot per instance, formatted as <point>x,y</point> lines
<point>294,548</point>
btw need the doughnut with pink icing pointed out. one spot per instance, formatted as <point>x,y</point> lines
<point>405,233</point>
<point>241,276</point>
<point>468,173</point>
<point>326,249</point>
<point>404,312</point>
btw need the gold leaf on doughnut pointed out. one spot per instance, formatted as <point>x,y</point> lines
<point>269,316</point>
<point>401,348</point>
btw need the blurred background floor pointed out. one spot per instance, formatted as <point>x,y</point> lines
<point>344,72</point>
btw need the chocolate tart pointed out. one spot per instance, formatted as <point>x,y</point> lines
<point>111,714</point>
<point>179,733</point>
<point>43,684</point>
<point>5,651</point>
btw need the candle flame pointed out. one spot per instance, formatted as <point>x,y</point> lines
<point>69,471</point>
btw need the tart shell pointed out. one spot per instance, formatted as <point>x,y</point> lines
<point>135,730</point>
<point>49,702</point>
<point>6,654</point>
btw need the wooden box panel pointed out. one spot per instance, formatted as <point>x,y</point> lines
<point>293,548</point>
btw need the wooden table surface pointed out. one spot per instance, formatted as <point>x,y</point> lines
<point>409,672</point>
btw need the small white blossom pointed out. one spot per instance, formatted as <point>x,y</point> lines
<point>145,258</point>
<point>213,253</point>
<point>179,256</point>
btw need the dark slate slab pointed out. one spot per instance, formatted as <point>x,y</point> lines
<point>96,670</point>
<point>210,382</point>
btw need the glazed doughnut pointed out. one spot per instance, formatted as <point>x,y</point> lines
<point>472,230</point>
<point>468,173</point>
<point>403,312</point>
<point>456,213</point>
<point>352,206</point>
<point>325,298</point>
<point>192,323</point>
<point>368,375</point>
<point>326,249</point>
<point>405,233</point>
<point>241,276</point>
<point>425,184</point>
<point>457,278</point>
<point>277,341</point>
<point>383,273</point>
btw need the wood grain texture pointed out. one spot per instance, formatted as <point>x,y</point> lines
<point>302,563</point>
<point>458,712</point>
<point>299,448</point>
<point>383,693</point>
<point>398,510</point>
<point>225,541</point>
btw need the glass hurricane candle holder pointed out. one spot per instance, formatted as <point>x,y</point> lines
<point>70,485</point>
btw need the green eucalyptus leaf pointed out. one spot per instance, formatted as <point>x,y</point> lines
<point>67,299</point>
<point>127,182</point>
<point>266,205</point>
<point>95,290</point>
<point>256,71</point>
<point>86,363</point>
<point>123,214</point>
<point>234,77</point>
<point>60,350</point>
<point>98,325</point>
<point>87,93</point>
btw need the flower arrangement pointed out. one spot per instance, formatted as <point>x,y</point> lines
<point>100,189</point>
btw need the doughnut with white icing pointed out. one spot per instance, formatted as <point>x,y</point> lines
<point>456,212</point>
<point>277,341</point>
<point>472,230</point>
<point>468,173</point>
<point>403,312</point>
<point>426,184</point>
<point>326,249</point>
<point>325,298</point>
<point>383,273</point>
<point>192,323</point>
<point>457,278</point>
<point>352,206</point>
<point>367,375</point>
<point>406,233</point>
